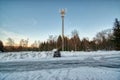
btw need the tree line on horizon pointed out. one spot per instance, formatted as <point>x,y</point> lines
<point>105,40</point>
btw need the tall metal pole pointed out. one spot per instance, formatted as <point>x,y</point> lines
<point>62,15</point>
<point>62,33</point>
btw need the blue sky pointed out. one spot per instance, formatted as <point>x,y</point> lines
<point>37,19</point>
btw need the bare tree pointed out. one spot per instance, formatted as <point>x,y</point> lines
<point>21,42</point>
<point>24,43</point>
<point>103,39</point>
<point>75,39</point>
<point>10,42</point>
<point>35,44</point>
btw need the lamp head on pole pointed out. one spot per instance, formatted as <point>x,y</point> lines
<point>62,12</point>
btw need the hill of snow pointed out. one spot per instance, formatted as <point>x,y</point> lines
<point>18,56</point>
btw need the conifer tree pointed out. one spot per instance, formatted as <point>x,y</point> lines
<point>116,33</point>
<point>1,46</point>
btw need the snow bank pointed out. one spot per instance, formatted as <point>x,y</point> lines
<point>16,56</point>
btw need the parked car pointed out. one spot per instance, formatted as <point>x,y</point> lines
<point>56,53</point>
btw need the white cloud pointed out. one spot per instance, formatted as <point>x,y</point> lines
<point>4,34</point>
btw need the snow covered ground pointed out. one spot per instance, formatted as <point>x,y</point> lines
<point>99,65</point>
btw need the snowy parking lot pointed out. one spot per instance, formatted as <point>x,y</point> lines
<point>99,65</point>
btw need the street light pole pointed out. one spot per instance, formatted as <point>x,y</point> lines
<point>62,15</point>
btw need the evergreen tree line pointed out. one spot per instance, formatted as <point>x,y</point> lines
<point>105,40</point>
